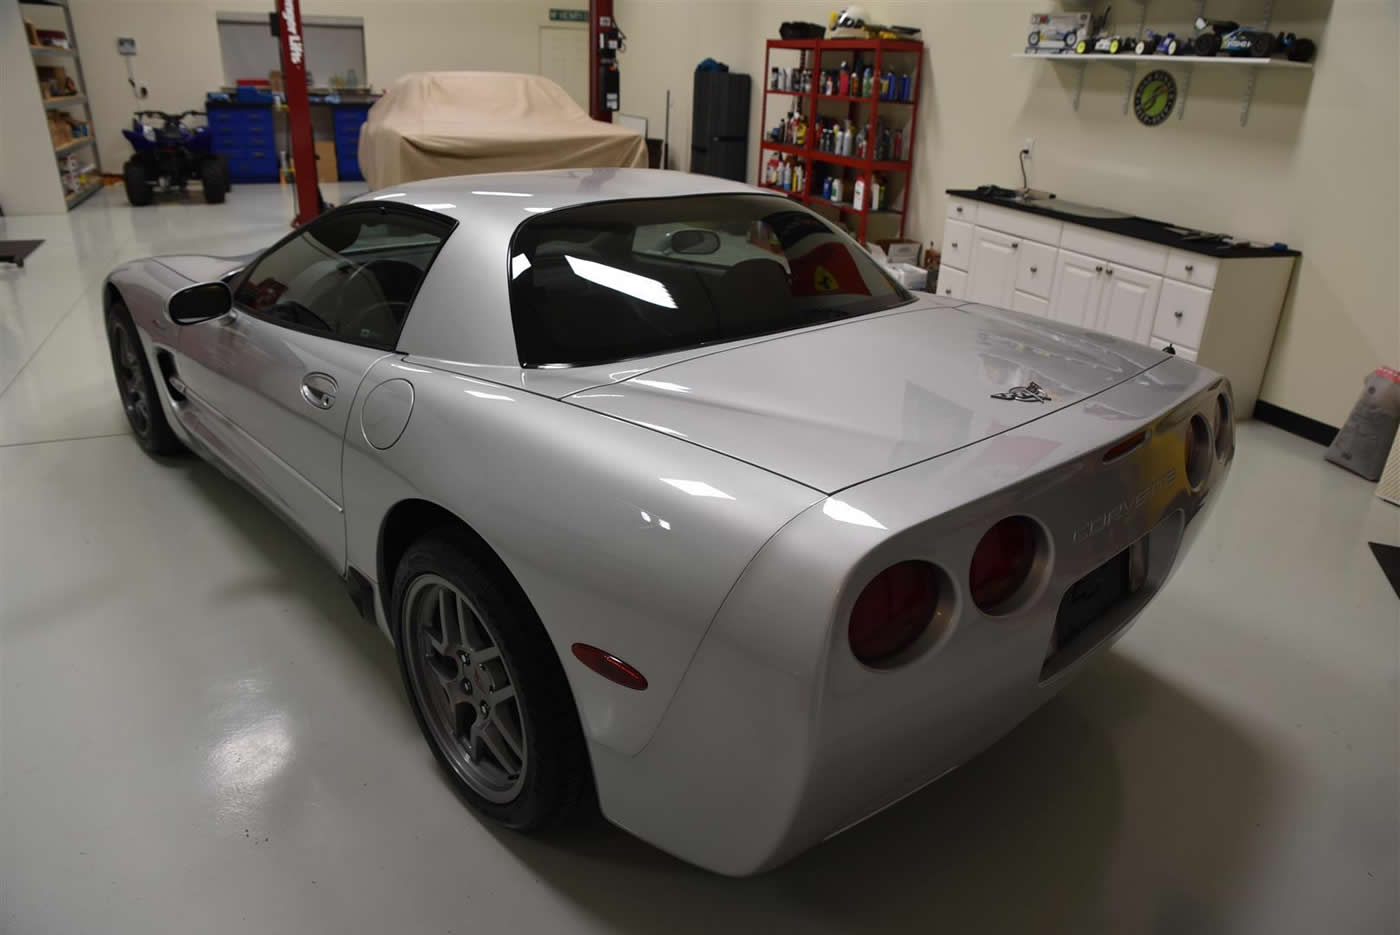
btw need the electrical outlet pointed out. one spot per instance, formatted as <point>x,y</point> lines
<point>1028,148</point>
<point>142,89</point>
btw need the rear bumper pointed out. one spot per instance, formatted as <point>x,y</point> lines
<point>778,737</point>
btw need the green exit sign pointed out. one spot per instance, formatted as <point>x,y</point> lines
<point>568,16</point>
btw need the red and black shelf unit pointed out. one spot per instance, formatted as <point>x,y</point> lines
<point>904,57</point>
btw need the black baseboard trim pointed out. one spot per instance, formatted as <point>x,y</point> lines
<point>1294,423</point>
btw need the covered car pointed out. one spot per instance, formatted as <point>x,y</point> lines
<point>438,123</point>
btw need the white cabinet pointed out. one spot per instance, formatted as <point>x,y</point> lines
<point>1128,304</point>
<point>992,278</point>
<point>1074,299</point>
<point>957,244</point>
<point>1030,304</point>
<point>1220,311</point>
<point>952,282</point>
<point>1035,268</point>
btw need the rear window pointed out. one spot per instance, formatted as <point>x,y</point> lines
<point>609,281</point>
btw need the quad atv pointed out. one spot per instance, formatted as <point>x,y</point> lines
<point>167,156</point>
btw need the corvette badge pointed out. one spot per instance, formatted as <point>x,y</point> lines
<point>1030,393</point>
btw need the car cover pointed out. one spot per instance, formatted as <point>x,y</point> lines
<point>433,124</point>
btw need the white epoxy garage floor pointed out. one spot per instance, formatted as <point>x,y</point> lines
<point>198,734</point>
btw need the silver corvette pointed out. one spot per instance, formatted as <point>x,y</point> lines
<point>664,491</point>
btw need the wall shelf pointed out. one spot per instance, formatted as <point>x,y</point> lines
<point>52,50</point>
<point>79,143</point>
<point>1189,62</point>
<point>72,100</point>
<point>1129,58</point>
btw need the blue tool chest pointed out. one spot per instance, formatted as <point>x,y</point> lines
<point>245,134</point>
<point>348,118</point>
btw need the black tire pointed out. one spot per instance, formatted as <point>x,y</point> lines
<point>1302,50</point>
<point>228,173</point>
<point>211,176</point>
<point>135,385</point>
<point>1261,45</point>
<point>557,773</point>
<point>1207,44</point>
<point>139,190</point>
<point>1071,38</point>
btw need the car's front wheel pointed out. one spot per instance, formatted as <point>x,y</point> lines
<point>486,686</point>
<point>136,386</point>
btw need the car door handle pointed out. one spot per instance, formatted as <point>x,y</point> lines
<point>318,389</point>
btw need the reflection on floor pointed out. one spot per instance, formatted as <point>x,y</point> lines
<point>197,733</point>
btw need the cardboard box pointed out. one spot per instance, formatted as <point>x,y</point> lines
<point>31,32</point>
<point>274,82</point>
<point>901,251</point>
<point>59,130</point>
<point>326,168</point>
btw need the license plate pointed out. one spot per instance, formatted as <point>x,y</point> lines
<point>1092,596</point>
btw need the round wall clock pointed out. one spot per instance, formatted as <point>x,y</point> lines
<point>1155,97</point>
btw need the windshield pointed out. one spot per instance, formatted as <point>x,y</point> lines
<point>604,282</point>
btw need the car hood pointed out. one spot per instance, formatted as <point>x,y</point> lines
<point>199,268</point>
<point>832,406</point>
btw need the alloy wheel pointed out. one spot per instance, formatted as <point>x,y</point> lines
<point>465,688</point>
<point>131,381</point>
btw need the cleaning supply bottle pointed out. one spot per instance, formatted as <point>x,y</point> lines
<point>868,85</point>
<point>843,84</point>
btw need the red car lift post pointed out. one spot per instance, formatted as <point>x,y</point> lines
<point>602,60</point>
<point>308,194</point>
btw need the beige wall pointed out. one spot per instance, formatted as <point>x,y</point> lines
<point>1316,167</point>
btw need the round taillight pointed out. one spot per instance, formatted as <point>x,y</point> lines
<point>1002,563</point>
<point>893,611</point>
<point>1197,451</point>
<point>1224,428</point>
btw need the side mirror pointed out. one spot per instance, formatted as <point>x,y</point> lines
<point>694,242</point>
<point>200,302</point>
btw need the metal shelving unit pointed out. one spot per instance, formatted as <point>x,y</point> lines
<point>69,57</point>
<point>812,50</point>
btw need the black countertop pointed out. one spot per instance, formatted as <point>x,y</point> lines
<point>1136,227</point>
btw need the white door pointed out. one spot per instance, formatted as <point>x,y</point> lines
<point>993,274</point>
<point>1030,304</point>
<point>564,59</point>
<point>1074,299</point>
<point>1129,303</point>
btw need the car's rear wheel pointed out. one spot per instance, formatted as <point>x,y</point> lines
<point>487,687</point>
<point>136,386</point>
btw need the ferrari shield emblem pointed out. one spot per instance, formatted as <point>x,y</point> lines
<point>823,281</point>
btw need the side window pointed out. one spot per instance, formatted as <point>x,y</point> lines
<point>350,275</point>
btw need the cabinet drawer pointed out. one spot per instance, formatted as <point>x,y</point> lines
<point>1019,223</point>
<point>957,244</point>
<point>952,282</point>
<point>1139,254</point>
<point>1182,351</point>
<point>1035,268</point>
<point>1030,304</point>
<point>1194,268</point>
<point>960,209</point>
<point>1181,313</point>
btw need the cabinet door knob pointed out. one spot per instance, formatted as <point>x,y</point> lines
<point>1014,245</point>
<point>960,209</point>
<point>1179,313</point>
<point>955,245</point>
<point>1109,271</point>
<point>1190,267</point>
<point>948,291</point>
<point>1035,269</point>
<point>1098,269</point>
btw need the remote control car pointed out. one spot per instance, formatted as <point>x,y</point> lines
<point>167,156</point>
<point>1233,39</point>
<point>1056,32</point>
<point>1297,50</point>
<point>1155,43</point>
